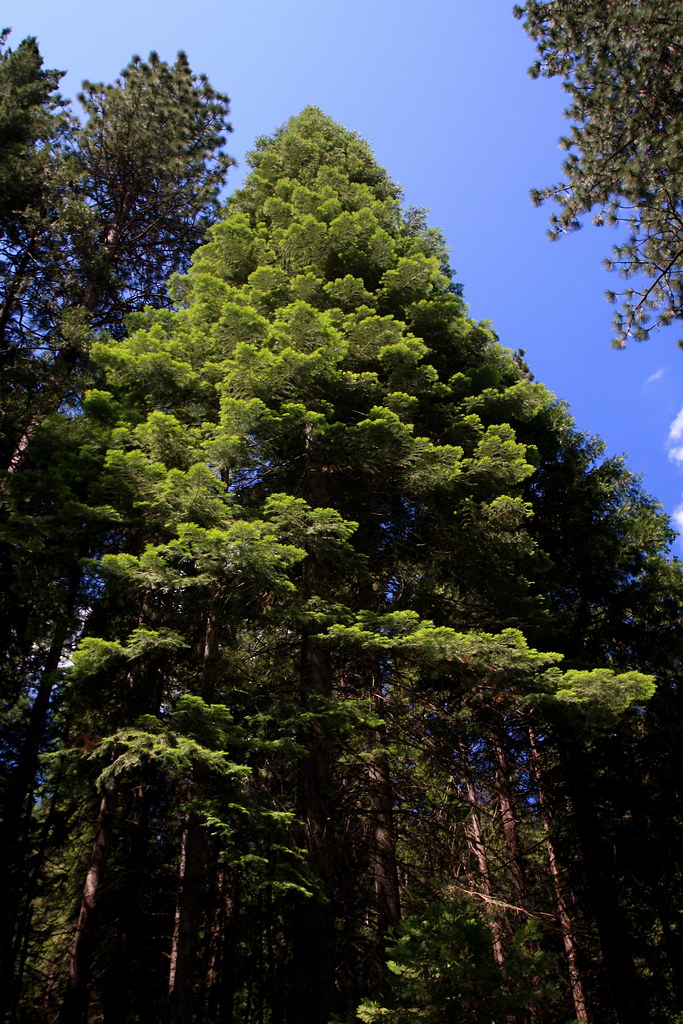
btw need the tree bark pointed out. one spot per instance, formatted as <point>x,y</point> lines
<point>478,849</point>
<point>117,986</point>
<point>74,1008</point>
<point>16,819</point>
<point>611,923</point>
<point>563,906</point>
<point>311,993</point>
<point>188,914</point>
<point>221,983</point>
<point>509,821</point>
<point>511,836</point>
<point>384,867</point>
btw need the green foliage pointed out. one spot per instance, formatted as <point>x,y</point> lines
<point>593,700</point>
<point>150,165</point>
<point>440,969</point>
<point>621,62</point>
<point>95,216</point>
<point>306,545</point>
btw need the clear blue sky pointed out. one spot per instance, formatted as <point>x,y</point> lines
<point>439,88</point>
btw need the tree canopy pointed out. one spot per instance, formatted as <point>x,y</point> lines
<point>95,214</point>
<point>621,61</point>
<point>340,671</point>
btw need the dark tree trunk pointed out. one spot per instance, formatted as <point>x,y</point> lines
<point>385,870</point>
<point>75,1005</point>
<point>222,977</point>
<point>477,844</point>
<point>15,825</point>
<point>311,990</point>
<point>512,844</point>
<point>611,923</point>
<point>118,984</point>
<point>509,821</point>
<point>182,974</point>
<point>564,913</point>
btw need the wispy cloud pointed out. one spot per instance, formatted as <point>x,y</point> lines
<point>657,375</point>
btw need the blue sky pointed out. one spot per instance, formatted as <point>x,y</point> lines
<point>439,89</point>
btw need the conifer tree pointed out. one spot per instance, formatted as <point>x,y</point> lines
<point>315,509</point>
<point>93,219</point>
<point>95,216</point>
<point>620,61</point>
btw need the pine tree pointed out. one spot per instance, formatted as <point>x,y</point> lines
<point>93,219</point>
<point>620,62</point>
<point>95,216</point>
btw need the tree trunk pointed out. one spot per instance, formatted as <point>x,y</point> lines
<point>16,821</point>
<point>75,1005</point>
<point>183,961</point>
<point>117,985</point>
<point>509,821</point>
<point>511,836</point>
<point>478,849</point>
<point>611,923</point>
<point>310,997</point>
<point>223,950</point>
<point>385,871</point>
<point>563,906</point>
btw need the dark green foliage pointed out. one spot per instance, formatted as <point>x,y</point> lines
<point>305,573</point>
<point>94,217</point>
<point>440,970</point>
<point>621,61</point>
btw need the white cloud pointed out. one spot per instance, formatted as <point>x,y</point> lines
<point>674,441</point>
<point>657,375</point>
<point>676,435</point>
<point>677,518</point>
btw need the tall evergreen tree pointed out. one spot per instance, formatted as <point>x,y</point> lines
<point>302,730</point>
<point>94,217</point>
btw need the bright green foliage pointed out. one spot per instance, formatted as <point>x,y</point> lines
<point>318,572</point>
<point>601,695</point>
<point>621,61</point>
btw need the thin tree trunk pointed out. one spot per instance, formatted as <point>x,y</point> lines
<point>211,652</point>
<point>385,871</point>
<point>313,922</point>
<point>512,844</point>
<point>16,820</point>
<point>183,960</point>
<point>563,906</point>
<point>26,916</point>
<point>478,849</point>
<point>117,987</point>
<point>20,449</point>
<point>509,821</point>
<point>223,950</point>
<point>75,1005</point>
<point>310,995</point>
